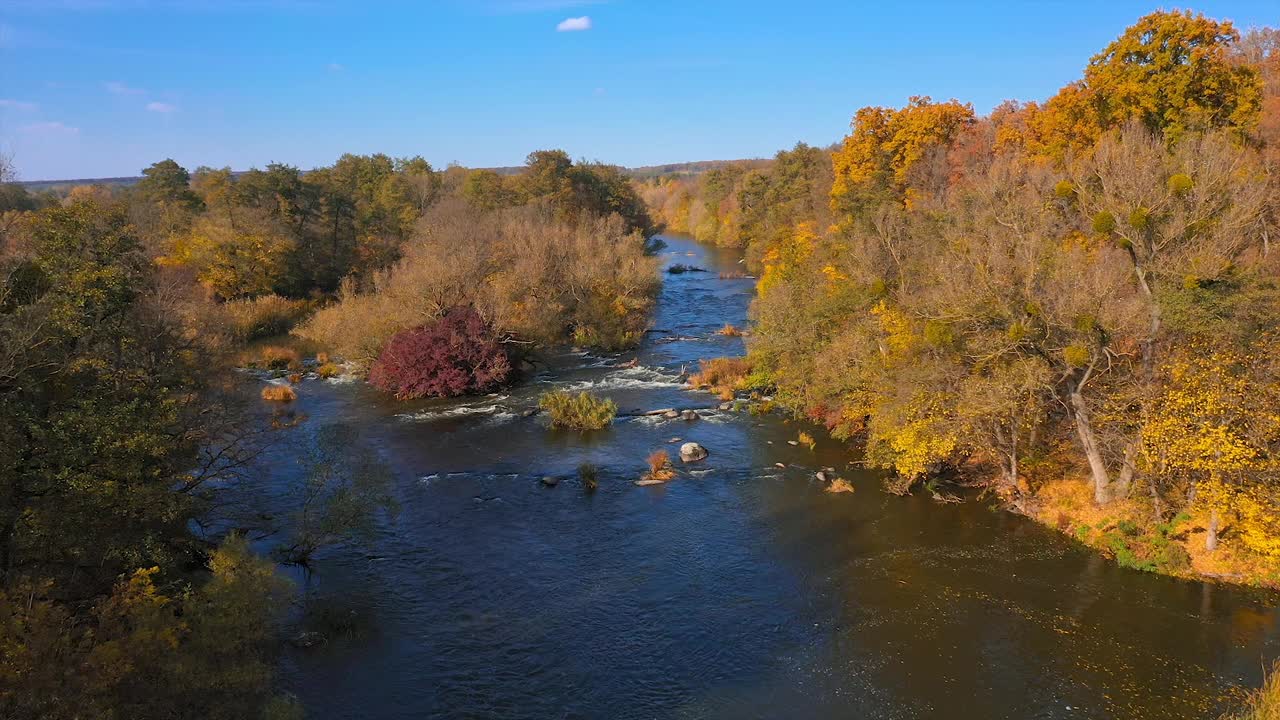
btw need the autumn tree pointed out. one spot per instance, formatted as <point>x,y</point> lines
<point>886,143</point>
<point>1172,72</point>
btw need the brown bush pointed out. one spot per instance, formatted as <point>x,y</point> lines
<point>279,393</point>
<point>659,466</point>
<point>721,373</point>
<point>839,485</point>
<point>527,274</point>
<point>729,331</point>
<point>263,317</point>
<point>279,358</point>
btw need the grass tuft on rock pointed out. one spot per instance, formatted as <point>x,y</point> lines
<point>279,393</point>
<point>582,411</point>
<point>660,468</point>
<point>590,477</point>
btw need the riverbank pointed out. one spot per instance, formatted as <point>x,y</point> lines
<point>1125,531</point>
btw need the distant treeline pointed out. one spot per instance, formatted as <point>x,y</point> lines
<point>62,187</point>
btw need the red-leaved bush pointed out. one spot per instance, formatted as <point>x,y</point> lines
<point>455,355</point>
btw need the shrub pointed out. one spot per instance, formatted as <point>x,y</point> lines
<point>1263,703</point>
<point>730,331</point>
<point>295,378</point>
<point>328,370</point>
<point>455,355</point>
<point>806,440</point>
<point>659,466</point>
<point>536,277</point>
<point>589,476</point>
<point>279,358</point>
<point>264,316</point>
<point>839,485</point>
<point>721,372</point>
<point>583,411</point>
<point>279,393</point>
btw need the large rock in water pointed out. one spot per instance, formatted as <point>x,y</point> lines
<point>692,452</point>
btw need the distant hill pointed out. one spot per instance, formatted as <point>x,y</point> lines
<point>641,173</point>
<point>61,186</point>
<point>691,168</point>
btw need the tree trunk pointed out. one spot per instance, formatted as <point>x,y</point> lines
<point>1089,442</point>
<point>1127,470</point>
<point>1211,539</point>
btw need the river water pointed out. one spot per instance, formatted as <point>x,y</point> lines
<point>738,590</point>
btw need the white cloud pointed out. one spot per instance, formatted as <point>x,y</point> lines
<point>49,128</point>
<point>119,88</point>
<point>18,105</point>
<point>160,107</point>
<point>574,24</point>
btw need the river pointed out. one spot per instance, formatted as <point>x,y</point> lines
<point>741,590</point>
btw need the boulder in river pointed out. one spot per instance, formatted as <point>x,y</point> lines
<point>550,481</point>
<point>690,415</point>
<point>692,452</point>
<point>823,476</point>
<point>645,482</point>
<point>671,414</point>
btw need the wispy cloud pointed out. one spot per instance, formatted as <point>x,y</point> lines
<point>18,105</point>
<point>334,67</point>
<point>159,107</point>
<point>119,88</point>
<point>49,128</point>
<point>577,24</point>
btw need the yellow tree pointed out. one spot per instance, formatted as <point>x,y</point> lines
<point>1210,426</point>
<point>231,262</point>
<point>1172,71</point>
<point>885,144</point>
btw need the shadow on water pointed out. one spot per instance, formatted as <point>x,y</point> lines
<point>741,590</point>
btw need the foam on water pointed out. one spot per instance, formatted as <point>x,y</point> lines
<point>631,378</point>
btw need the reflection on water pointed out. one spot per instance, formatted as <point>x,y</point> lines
<point>741,590</point>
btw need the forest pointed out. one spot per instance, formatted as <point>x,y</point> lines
<point>1071,302</point>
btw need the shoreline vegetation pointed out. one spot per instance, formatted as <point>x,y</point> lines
<point>1070,304</point>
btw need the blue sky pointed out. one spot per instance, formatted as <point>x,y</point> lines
<point>95,88</point>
